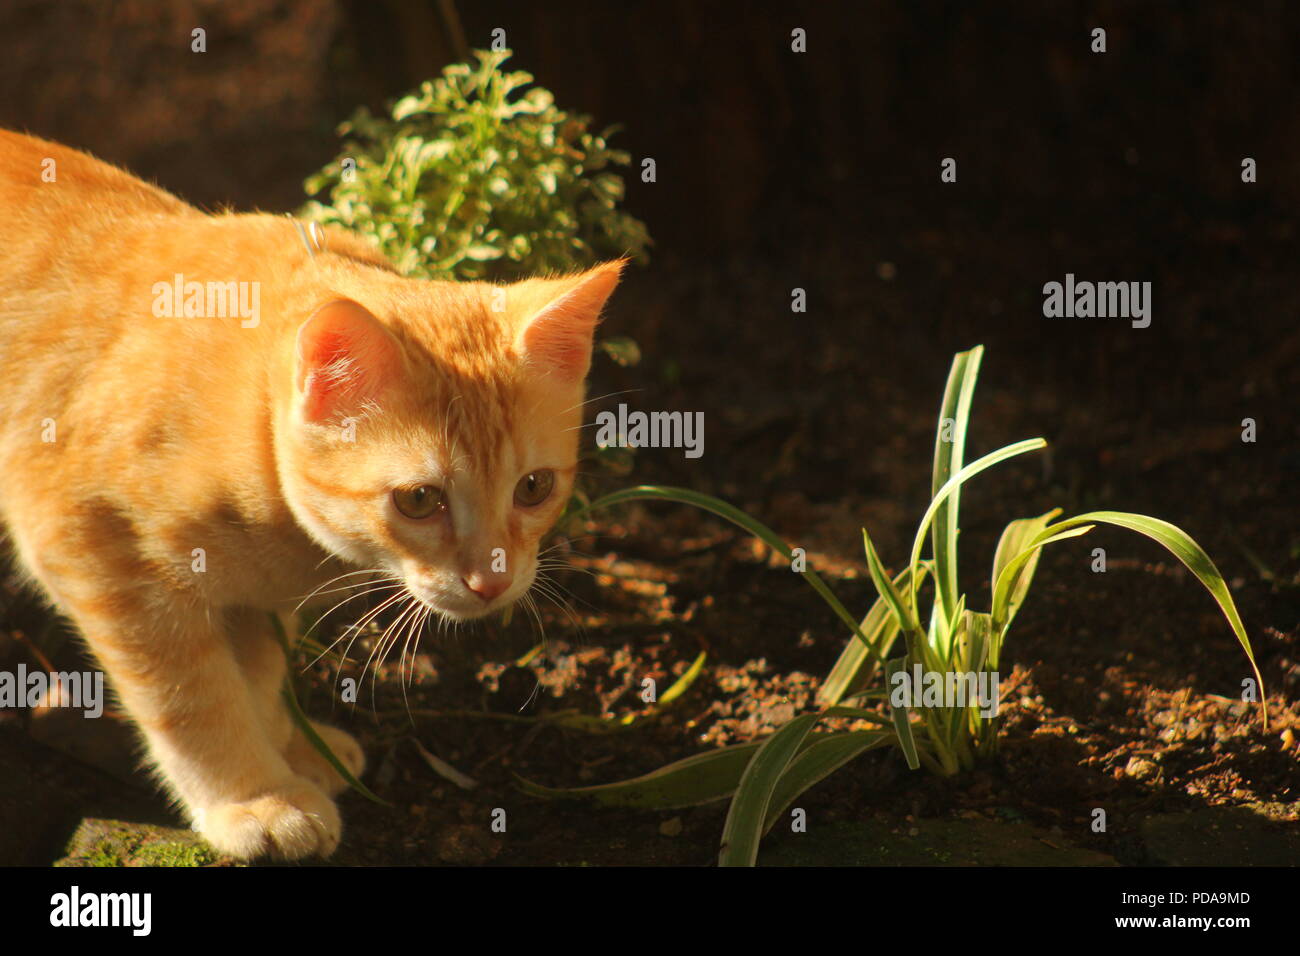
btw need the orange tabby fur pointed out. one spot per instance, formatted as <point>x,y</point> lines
<point>171,435</point>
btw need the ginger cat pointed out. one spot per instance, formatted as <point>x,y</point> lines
<point>201,422</point>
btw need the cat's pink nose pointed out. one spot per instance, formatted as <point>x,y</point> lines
<point>487,586</point>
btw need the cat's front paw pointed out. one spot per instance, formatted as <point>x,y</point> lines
<point>292,821</point>
<point>307,761</point>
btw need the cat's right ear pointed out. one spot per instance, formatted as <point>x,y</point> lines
<point>556,336</point>
<point>344,360</point>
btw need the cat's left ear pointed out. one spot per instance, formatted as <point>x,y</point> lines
<point>345,359</point>
<point>556,337</point>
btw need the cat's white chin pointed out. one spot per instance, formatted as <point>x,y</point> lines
<point>463,609</point>
<point>474,613</point>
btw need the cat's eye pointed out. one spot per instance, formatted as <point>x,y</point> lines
<point>534,488</point>
<point>422,501</point>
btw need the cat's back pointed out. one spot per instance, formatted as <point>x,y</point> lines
<point>65,217</point>
<point>42,178</point>
<point>80,249</point>
<point>60,211</point>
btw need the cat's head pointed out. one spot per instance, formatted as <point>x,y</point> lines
<point>440,442</point>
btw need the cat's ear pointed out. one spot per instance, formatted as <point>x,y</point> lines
<point>556,334</point>
<point>345,358</point>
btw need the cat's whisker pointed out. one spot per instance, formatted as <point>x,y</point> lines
<point>351,587</point>
<point>598,398</point>
<point>397,628</point>
<point>356,629</point>
<point>378,646</point>
<point>566,546</point>
<point>556,565</point>
<point>324,561</point>
<point>330,647</point>
<point>393,579</point>
<point>388,640</point>
<point>375,590</point>
<point>563,607</point>
<point>547,563</point>
<point>408,677</point>
<point>537,687</point>
<point>346,574</point>
<point>413,633</point>
<point>560,589</point>
<point>370,615</point>
<point>548,589</point>
<point>350,574</point>
<point>530,605</point>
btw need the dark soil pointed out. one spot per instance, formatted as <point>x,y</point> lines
<point>1123,688</point>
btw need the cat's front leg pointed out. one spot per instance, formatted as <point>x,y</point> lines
<point>178,677</point>
<point>261,658</point>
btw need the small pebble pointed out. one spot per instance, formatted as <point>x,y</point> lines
<point>671,828</point>
<point>1139,768</point>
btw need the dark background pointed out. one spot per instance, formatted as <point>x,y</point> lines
<point>821,171</point>
<point>797,170</point>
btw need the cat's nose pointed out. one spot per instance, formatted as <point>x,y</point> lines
<point>487,586</point>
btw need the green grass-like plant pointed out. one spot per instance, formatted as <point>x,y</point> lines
<point>947,637</point>
<point>472,176</point>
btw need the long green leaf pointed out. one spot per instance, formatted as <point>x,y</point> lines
<point>900,716</point>
<point>748,812</point>
<point>702,778</point>
<point>679,687</point>
<point>854,666</point>
<point>683,683</point>
<point>1011,586</point>
<point>1015,537</point>
<point>948,458</point>
<point>859,713</point>
<point>737,517</point>
<point>304,724</point>
<point>955,482</point>
<point>1176,541</point>
<point>817,762</point>
<point>953,632</point>
<point>1181,545</point>
<point>976,650</point>
<point>890,594</point>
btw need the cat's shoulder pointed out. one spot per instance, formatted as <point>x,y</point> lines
<point>28,161</point>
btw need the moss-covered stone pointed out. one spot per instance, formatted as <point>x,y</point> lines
<point>118,843</point>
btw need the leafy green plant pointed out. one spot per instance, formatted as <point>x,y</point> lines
<point>472,176</point>
<point>763,778</point>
